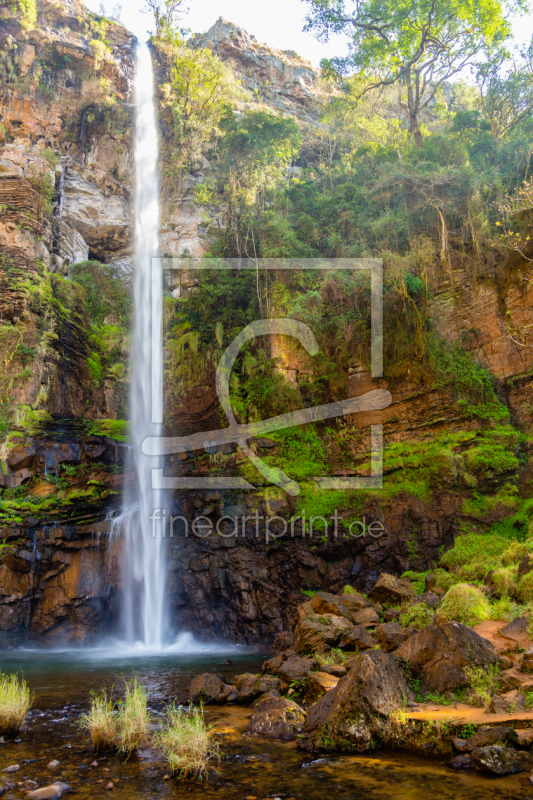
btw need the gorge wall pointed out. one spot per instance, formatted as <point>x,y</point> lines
<point>66,168</point>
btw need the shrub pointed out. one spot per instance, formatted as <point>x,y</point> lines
<point>464,603</point>
<point>187,743</point>
<point>133,718</point>
<point>484,684</point>
<point>419,616</point>
<point>15,702</point>
<point>335,656</point>
<point>505,580</point>
<point>524,592</point>
<point>505,609</point>
<point>101,722</point>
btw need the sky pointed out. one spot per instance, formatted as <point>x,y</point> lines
<point>277,23</point>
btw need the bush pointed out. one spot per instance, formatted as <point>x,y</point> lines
<point>484,684</point>
<point>335,656</point>
<point>186,742</point>
<point>505,580</point>
<point>15,702</point>
<point>418,616</point>
<point>464,603</point>
<point>505,609</point>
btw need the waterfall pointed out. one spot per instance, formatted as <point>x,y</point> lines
<point>143,566</point>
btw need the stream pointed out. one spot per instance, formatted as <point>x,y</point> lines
<point>250,767</point>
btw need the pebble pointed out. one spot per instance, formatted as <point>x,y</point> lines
<point>11,769</point>
<point>53,764</point>
<point>110,785</point>
<point>94,764</point>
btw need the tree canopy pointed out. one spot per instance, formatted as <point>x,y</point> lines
<point>417,44</point>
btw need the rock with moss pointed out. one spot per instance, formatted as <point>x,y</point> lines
<point>391,590</point>
<point>390,636</point>
<point>357,638</point>
<point>439,655</point>
<point>209,688</point>
<point>351,716</point>
<point>276,718</point>
<point>296,669</point>
<point>317,684</point>
<point>251,686</point>
<point>317,633</point>
<point>500,760</point>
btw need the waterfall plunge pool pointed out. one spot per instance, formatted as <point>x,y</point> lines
<point>250,767</point>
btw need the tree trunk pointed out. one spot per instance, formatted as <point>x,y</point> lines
<point>413,112</point>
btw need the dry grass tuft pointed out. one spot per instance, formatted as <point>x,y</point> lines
<point>101,722</point>
<point>187,743</point>
<point>15,702</point>
<point>133,719</point>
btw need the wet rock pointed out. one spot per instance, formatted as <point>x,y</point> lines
<point>276,718</point>
<point>209,688</point>
<point>390,636</point>
<point>353,712</point>
<point>390,589</point>
<point>463,761</point>
<point>438,655</point>
<point>52,764</point>
<point>295,669</point>
<point>500,760</point>
<point>357,638</point>
<point>11,769</point>
<point>318,683</point>
<point>283,641</point>
<point>52,792</point>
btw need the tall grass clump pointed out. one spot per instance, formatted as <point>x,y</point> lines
<point>133,718</point>
<point>485,682</point>
<point>100,722</point>
<point>464,603</point>
<point>187,743</point>
<point>15,702</point>
<point>123,730</point>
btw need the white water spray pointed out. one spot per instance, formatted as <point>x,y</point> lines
<point>143,570</point>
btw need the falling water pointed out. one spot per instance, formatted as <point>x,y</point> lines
<point>143,559</point>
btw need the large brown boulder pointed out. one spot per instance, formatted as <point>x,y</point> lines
<point>357,638</point>
<point>295,669</point>
<point>209,688</point>
<point>350,716</point>
<point>439,654</point>
<point>500,734</point>
<point>276,718</point>
<point>390,636</point>
<point>283,641</point>
<point>318,683</point>
<point>318,633</point>
<point>392,590</point>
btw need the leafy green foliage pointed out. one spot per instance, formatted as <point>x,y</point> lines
<point>464,603</point>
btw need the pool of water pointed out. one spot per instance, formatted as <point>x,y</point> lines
<point>250,767</point>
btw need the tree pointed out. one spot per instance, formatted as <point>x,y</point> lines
<point>167,14</point>
<point>507,98</point>
<point>417,44</point>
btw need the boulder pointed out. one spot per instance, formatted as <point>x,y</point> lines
<point>318,683</point>
<point>486,735</point>
<point>295,669</point>
<point>391,590</point>
<point>276,718</point>
<point>209,688</point>
<point>507,703</point>
<point>52,792</point>
<point>500,760</point>
<point>250,687</point>
<point>357,638</point>
<point>527,661</point>
<point>273,665</point>
<point>316,634</point>
<point>391,615</point>
<point>512,679</point>
<point>438,655</point>
<point>390,636</point>
<point>351,715</point>
<point>431,599</point>
<point>334,669</point>
<point>283,641</point>
<point>366,617</point>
